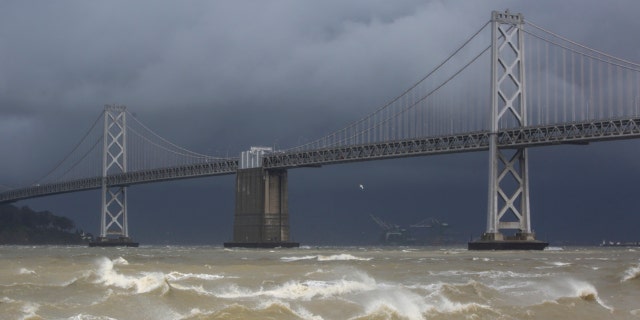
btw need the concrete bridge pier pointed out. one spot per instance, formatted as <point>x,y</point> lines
<point>261,218</point>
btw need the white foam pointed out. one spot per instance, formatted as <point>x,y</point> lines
<point>631,273</point>
<point>146,282</point>
<point>291,259</point>
<point>29,310</point>
<point>90,317</point>
<point>394,302</point>
<point>179,276</point>
<point>305,290</point>
<point>447,306</point>
<point>553,249</point>
<point>560,264</point>
<point>335,257</point>
<point>120,261</point>
<point>481,259</point>
<point>26,271</point>
<point>197,289</point>
<point>342,257</point>
<point>582,290</point>
<point>298,311</point>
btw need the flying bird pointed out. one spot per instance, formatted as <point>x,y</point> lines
<point>361,187</point>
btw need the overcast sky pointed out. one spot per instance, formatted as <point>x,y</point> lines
<point>220,76</point>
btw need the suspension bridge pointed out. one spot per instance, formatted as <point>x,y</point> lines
<point>511,86</point>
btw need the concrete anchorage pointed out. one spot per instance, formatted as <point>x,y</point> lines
<point>508,206</point>
<point>261,218</point>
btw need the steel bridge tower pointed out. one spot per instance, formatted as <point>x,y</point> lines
<point>508,205</point>
<point>113,220</point>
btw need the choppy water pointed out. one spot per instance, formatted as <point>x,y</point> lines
<point>317,283</point>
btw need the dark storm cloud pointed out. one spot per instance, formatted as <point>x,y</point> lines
<point>222,76</point>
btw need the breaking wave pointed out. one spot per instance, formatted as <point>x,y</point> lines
<point>179,276</point>
<point>146,282</point>
<point>304,290</point>
<point>335,257</point>
<point>265,310</point>
<point>26,271</point>
<point>631,273</point>
<point>579,289</point>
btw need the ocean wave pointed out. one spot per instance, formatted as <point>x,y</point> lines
<point>631,273</point>
<point>120,261</point>
<point>265,310</point>
<point>146,282</point>
<point>491,274</point>
<point>90,317</point>
<point>292,259</point>
<point>448,307</point>
<point>26,271</point>
<point>17,309</point>
<point>304,290</point>
<point>335,257</point>
<point>394,301</point>
<point>341,257</point>
<point>578,289</point>
<point>197,289</point>
<point>559,264</point>
<point>179,276</point>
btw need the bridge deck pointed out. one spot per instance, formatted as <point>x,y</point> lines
<point>566,133</point>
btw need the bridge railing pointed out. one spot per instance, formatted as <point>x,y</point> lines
<point>219,167</point>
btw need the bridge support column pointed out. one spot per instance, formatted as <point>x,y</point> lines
<point>508,206</point>
<point>114,230</point>
<point>261,217</point>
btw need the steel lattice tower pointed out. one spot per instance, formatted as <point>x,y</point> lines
<point>113,220</point>
<point>508,206</point>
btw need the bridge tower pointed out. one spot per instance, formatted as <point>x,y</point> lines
<point>114,229</point>
<point>261,218</point>
<point>508,205</point>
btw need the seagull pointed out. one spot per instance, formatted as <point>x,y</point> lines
<point>361,187</point>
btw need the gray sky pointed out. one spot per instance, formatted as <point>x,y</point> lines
<point>216,76</point>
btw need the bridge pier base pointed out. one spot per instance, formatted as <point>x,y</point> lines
<point>497,241</point>
<point>261,217</point>
<point>508,204</point>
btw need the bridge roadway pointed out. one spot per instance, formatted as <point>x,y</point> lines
<point>566,133</point>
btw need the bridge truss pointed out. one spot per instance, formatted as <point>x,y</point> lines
<point>569,94</point>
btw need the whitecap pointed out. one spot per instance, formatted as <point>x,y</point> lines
<point>26,271</point>
<point>559,264</point>
<point>304,290</point>
<point>146,282</point>
<point>583,290</point>
<point>29,310</point>
<point>178,276</point>
<point>447,306</point>
<point>631,273</point>
<point>298,311</point>
<point>481,259</point>
<point>342,257</point>
<point>335,257</point>
<point>90,317</point>
<point>291,259</point>
<point>394,302</point>
<point>197,289</point>
<point>120,261</point>
<point>553,249</point>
